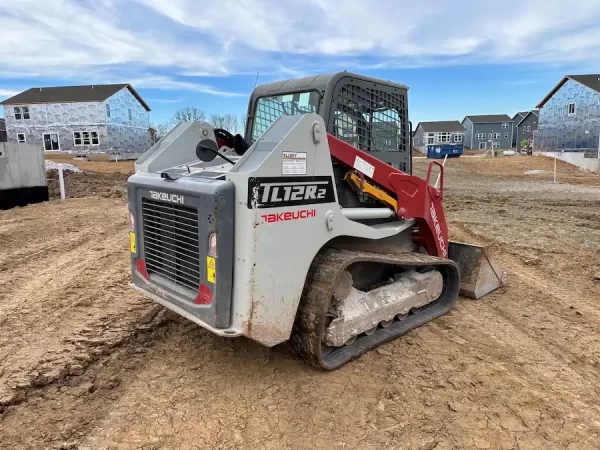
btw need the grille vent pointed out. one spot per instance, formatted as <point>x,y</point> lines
<point>171,242</point>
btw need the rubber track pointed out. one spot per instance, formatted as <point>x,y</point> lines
<point>318,290</point>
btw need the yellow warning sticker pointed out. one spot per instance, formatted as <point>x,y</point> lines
<point>211,274</point>
<point>132,241</point>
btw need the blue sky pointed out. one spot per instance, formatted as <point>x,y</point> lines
<point>458,58</point>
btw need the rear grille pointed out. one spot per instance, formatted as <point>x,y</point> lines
<point>171,242</point>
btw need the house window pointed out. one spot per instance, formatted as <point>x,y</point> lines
<point>480,136</point>
<point>86,138</point>
<point>130,115</point>
<point>430,140</point>
<point>50,141</point>
<point>21,112</point>
<point>505,125</point>
<point>458,138</point>
<point>495,144</point>
<point>21,138</point>
<point>494,135</point>
<point>524,130</point>
<point>528,128</point>
<point>505,135</point>
<point>108,110</point>
<point>571,109</point>
<point>482,145</point>
<point>443,137</point>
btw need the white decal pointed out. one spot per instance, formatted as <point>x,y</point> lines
<point>293,163</point>
<point>167,197</point>
<point>364,167</point>
<point>438,230</point>
<point>294,191</point>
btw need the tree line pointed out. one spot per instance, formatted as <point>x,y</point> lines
<point>233,123</point>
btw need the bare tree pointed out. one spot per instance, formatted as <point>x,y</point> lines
<point>242,121</point>
<point>188,114</point>
<point>229,122</point>
<point>161,129</point>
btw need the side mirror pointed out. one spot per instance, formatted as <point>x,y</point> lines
<point>207,150</point>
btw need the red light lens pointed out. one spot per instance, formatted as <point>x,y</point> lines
<point>140,265</point>
<point>205,296</point>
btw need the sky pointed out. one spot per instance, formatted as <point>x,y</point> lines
<point>458,57</point>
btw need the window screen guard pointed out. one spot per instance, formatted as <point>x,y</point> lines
<point>269,109</point>
<point>371,119</point>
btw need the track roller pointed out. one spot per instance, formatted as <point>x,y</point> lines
<point>332,325</point>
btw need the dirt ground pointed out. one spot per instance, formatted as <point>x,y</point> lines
<point>85,363</point>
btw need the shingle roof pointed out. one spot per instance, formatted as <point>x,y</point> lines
<point>521,114</point>
<point>446,126</point>
<point>491,118</point>
<point>533,111</point>
<point>89,93</point>
<point>592,81</point>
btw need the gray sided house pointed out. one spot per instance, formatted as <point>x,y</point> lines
<point>570,116</point>
<point>489,131</point>
<point>525,127</point>
<point>438,133</point>
<point>516,119</point>
<point>98,118</point>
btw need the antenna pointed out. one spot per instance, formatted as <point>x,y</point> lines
<point>256,81</point>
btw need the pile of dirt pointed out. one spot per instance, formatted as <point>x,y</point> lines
<point>87,184</point>
<point>97,163</point>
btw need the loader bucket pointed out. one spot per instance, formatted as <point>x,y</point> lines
<point>480,272</point>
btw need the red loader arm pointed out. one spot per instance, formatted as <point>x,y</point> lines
<point>416,198</point>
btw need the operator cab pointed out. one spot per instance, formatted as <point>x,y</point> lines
<point>367,113</point>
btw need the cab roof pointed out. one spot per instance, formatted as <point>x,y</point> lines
<point>315,82</point>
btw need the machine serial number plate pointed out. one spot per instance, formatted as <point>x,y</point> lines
<point>293,163</point>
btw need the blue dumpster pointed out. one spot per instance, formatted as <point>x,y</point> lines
<point>440,151</point>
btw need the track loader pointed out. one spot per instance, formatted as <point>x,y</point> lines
<point>310,228</point>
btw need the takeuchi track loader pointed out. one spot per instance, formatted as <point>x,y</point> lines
<point>310,228</point>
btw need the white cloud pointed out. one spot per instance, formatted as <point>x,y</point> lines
<point>7,93</point>
<point>395,28</point>
<point>144,39</point>
<point>169,84</point>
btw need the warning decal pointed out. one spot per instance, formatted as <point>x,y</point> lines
<point>211,266</point>
<point>132,241</point>
<point>293,163</point>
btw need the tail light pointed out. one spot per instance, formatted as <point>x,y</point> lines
<point>205,295</point>
<point>212,244</point>
<point>140,265</point>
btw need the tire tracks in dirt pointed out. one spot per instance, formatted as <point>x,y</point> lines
<point>495,373</point>
<point>62,312</point>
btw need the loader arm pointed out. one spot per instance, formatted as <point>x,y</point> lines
<point>413,197</point>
